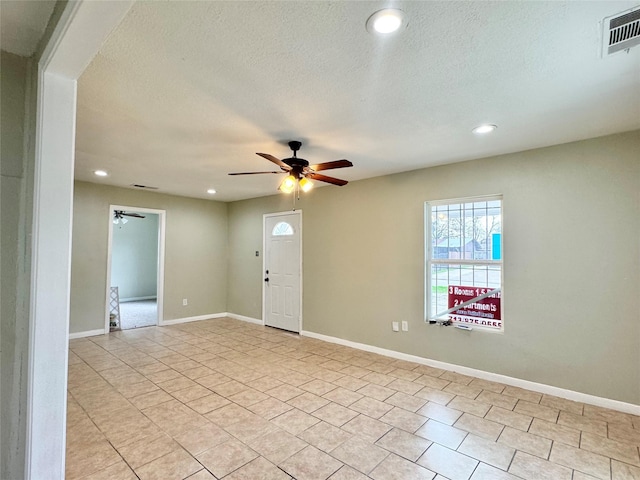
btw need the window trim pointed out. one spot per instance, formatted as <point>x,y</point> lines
<point>428,261</point>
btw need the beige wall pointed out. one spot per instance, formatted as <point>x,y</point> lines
<point>571,263</point>
<point>195,253</point>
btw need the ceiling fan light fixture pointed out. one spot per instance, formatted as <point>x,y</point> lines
<point>211,191</point>
<point>385,22</point>
<point>100,173</point>
<point>288,185</point>
<point>305,184</point>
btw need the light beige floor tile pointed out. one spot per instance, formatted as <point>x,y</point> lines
<point>432,382</point>
<point>223,459</point>
<point>404,444</point>
<point>177,464</point>
<point>443,434</point>
<point>581,460</point>
<point>351,383</point>
<point>151,399</point>
<point>535,410</point>
<point>130,390</point>
<point>295,421</point>
<point>310,464</point>
<point>479,426</point>
<point>335,414</point>
<point>342,396</point>
<point>117,471</point>
<point>228,388</point>
<point>440,413</point>
<point>258,469</point>
<point>527,442</point>
<point>324,436</point>
<point>507,417</point>
<point>448,463</point>
<point>212,380</point>
<point>610,448</point>
<point>348,473</point>
<point>585,424</point>
<point>371,407</point>
<point>406,401</point>
<point>492,453</point>
<point>456,377</point>
<point>562,404</point>
<point>607,415</point>
<point>487,472</point>
<point>92,458</point>
<point>534,468</point>
<point>497,399</point>
<point>146,450</point>
<point>376,391</point>
<point>308,402</point>
<point>125,426</point>
<point>229,414</point>
<point>522,394</point>
<point>436,396</point>
<point>176,384</point>
<point>163,375</point>
<point>318,387</point>
<point>488,385</point>
<point>465,404</point>
<point>463,390</point>
<point>250,428</point>
<point>623,471</point>
<point>201,475</point>
<point>189,394</point>
<point>400,418</point>
<point>367,428</point>
<point>174,417</point>
<point>202,438</point>
<point>624,433</point>
<point>379,378</point>
<point>207,403</point>
<point>557,433</point>
<point>397,468</point>
<point>270,408</point>
<point>359,454</point>
<point>248,397</point>
<point>404,386</point>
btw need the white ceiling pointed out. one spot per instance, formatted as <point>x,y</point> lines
<point>22,24</point>
<point>184,92</point>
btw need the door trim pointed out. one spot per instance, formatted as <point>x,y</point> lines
<point>264,258</point>
<point>160,275</point>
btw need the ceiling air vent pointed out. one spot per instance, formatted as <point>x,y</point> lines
<point>143,186</point>
<point>621,31</point>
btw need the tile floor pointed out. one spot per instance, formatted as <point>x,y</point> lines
<point>223,399</point>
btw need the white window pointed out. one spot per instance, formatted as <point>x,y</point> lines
<point>282,228</point>
<point>464,261</point>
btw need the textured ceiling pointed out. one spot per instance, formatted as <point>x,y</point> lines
<point>22,24</point>
<point>184,92</point>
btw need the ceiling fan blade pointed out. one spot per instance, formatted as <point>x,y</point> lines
<point>330,165</point>
<point>275,160</point>
<point>136,215</point>
<point>324,178</point>
<point>250,173</point>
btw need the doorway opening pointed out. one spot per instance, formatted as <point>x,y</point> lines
<point>135,269</point>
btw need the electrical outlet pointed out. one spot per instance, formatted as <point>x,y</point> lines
<point>184,302</point>
<point>395,326</point>
<point>405,326</point>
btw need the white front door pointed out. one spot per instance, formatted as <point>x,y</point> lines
<point>282,270</point>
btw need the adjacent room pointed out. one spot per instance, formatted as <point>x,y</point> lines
<point>330,240</point>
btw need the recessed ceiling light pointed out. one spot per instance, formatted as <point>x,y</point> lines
<point>211,191</point>
<point>385,22</point>
<point>100,173</point>
<point>486,128</point>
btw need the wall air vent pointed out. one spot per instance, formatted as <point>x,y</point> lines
<point>621,31</point>
<point>137,185</point>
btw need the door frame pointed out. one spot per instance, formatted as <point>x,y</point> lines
<point>160,273</point>
<point>264,261</point>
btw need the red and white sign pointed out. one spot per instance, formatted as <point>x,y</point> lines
<point>483,313</point>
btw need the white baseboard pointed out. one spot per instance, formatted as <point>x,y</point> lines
<point>88,333</point>
<point>235,316</point>
<point>494,377</point>
<point>175,321</point>
<point>137,299</point>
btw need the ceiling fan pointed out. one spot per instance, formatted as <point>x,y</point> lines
<point>300,171</point>
<point>119,216</point>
